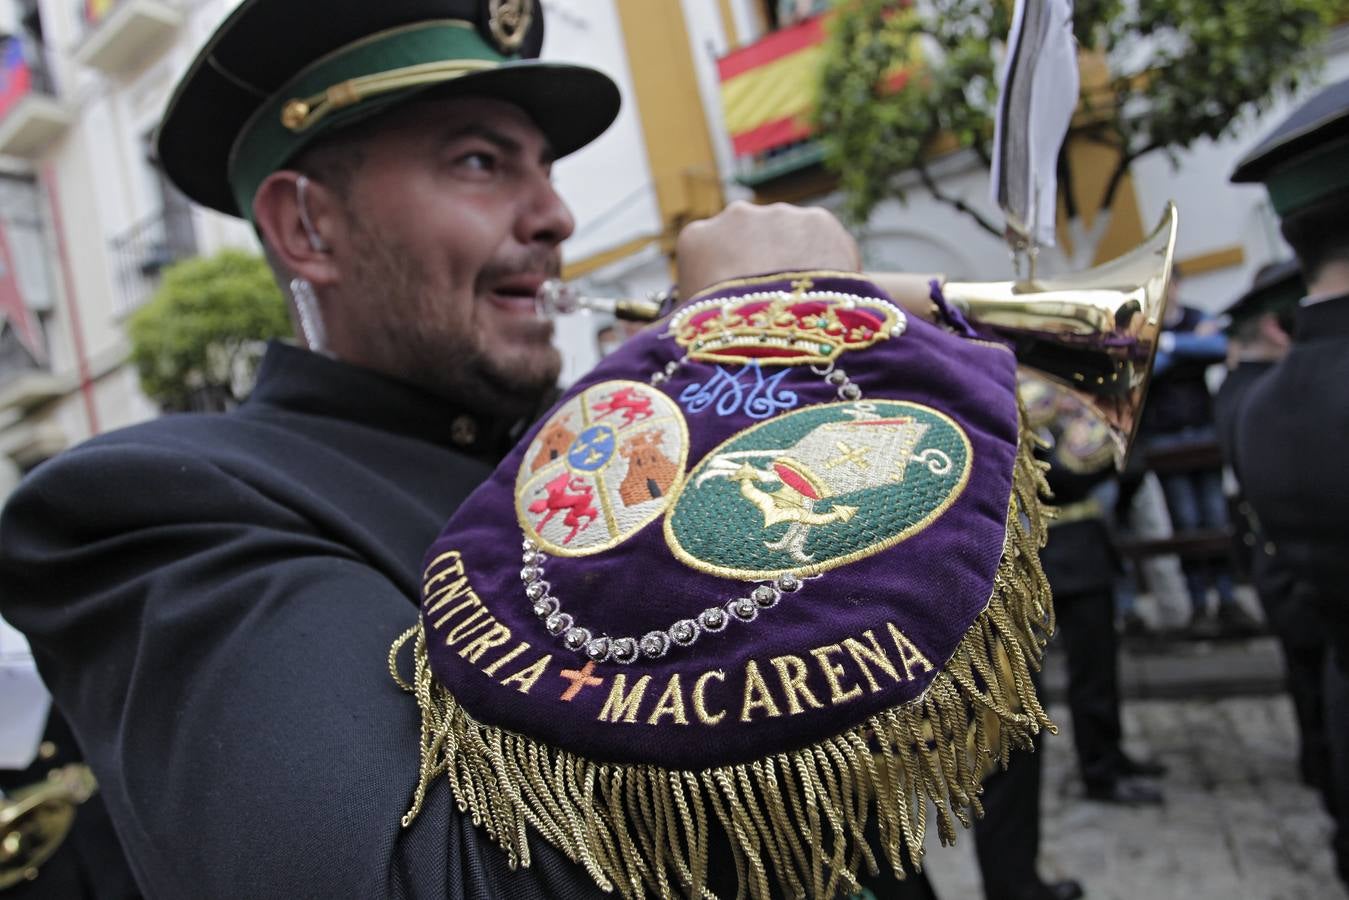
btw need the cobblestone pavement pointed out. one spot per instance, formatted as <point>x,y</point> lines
<point>1237,825</point>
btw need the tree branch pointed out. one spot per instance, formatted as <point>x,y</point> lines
<point>956,202</point>
<point>981,151</point>
<point>1121,169</point>
<point>1067,189</point>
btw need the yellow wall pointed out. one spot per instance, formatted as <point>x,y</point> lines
<point>728,24</point>
<point>674,124</point>
<point>1091,165</point>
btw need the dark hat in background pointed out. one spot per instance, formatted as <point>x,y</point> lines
<point>1304,159</point>
<point>279,74</point>
<point>1276,288</point>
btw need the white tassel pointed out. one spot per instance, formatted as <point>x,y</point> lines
<point>311,320</point>
<point>1039,96</point>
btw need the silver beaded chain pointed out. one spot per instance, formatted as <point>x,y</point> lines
<point>653,644</point>
<point>847,389</point>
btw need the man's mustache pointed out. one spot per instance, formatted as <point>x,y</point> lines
<point>542,262</point>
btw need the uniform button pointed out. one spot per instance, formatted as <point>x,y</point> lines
<point>464,431</point>
<point>45,750</point>
<point>1269,548</point>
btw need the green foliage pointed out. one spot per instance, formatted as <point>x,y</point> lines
<point>196,340</point>
<point>1179,71</point>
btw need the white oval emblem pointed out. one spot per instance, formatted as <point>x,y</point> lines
<point>603,466</point>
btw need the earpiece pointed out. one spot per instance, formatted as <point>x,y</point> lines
<point>315,239</point>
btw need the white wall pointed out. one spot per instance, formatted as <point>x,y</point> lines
<point>608,183</point>
<point>924,234</point>
<point>1215,214</point>
<point>105,187</point>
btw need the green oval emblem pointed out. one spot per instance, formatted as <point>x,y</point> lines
<point>818,488</point>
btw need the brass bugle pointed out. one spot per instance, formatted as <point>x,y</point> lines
<point>1094,332</point>
<point>34,820</point>
<point>557,296</point>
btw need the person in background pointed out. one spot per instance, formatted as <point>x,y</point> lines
<point>1080,562</point>
<point>610,337</point>
<point>1179,414</point>
<point>210,598</point>
<point>1259,333</point>
<point>1293,426</point>
<point>607,339</point>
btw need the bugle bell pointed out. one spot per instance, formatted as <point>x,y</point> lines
<point>1095,332</point>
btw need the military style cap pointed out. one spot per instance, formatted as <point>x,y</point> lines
<point>1276,287</point>
<point>1303,160</point>
<point>767,575</point>
<point>279,74</point>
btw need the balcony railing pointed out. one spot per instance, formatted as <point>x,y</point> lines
<point>144,249</point>
<point>31,118</point>
<point>122,35</point>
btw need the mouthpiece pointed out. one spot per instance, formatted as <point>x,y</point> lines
<point>557,297</point>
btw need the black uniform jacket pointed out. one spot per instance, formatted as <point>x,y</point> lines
<point>1079,557</point>
<point>211,600</point>
<point>1227,403</point>
<point>1291,442</point>
<point>1290,604</point>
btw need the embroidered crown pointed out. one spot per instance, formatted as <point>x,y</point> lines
<point>784,327</point>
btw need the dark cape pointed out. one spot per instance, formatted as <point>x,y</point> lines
<point>211,601</point>
<point>1290,441</point>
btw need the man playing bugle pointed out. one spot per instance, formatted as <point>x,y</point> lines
<point>670,644</point>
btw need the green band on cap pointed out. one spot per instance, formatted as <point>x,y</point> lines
<point>1306,179</point>
<point>354,81</point>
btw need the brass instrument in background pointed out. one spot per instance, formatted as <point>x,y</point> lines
<point>1094,332</point>
<point>35,819</point>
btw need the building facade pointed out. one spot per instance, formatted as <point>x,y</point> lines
<point>87,222</point>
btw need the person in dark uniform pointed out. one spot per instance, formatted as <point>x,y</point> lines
<point>210,599</point>
<point>1007,838</point>
<point>1259,332</point>
<point>1178,414</point>
<point>1260,325</point>
<point>1080,562</point>
<point>1292,429</point>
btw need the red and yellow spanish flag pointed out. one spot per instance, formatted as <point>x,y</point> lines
<point>96,10</point>
<point>768,88</point>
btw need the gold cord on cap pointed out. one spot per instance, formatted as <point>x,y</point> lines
<point>301,114</point>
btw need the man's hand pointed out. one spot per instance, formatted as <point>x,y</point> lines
<point>745,239</point>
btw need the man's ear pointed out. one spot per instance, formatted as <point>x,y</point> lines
<point>293,214</point>
<point>1271,329</point>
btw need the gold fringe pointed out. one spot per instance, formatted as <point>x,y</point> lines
<point>795,821</point>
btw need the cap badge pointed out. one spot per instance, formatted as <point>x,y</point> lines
<point>509,21</point>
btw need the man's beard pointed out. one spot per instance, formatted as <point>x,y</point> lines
<point>428,341</point>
